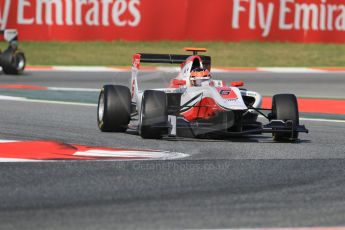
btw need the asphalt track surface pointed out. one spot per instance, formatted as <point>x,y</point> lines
<point>239,182</point>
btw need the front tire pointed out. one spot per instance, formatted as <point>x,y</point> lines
<point>16,65</point>
<point>153,115</point>
<point>114,108</point>
<point>285,107</point>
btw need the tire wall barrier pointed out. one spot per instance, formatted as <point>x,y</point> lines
<point>154,20</point>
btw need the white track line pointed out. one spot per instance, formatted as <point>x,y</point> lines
<point>87,69</point>
<point>23,99</point>
<point>290,70</point>
<point>148,155</point>
<point>7,141</point>
<point>73,89</point>
<point>322,120</point>
<point>2,160</point>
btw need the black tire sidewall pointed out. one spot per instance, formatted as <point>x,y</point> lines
<point>285,107</point>
<point>12,66</point>
<point>117,108</point>
<point>17,56</point>
<point>153,112</point>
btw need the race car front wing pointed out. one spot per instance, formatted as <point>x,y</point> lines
<point>178,126</point>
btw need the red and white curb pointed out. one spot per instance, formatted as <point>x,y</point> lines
<point>21,151</point>
<point>176,69</point>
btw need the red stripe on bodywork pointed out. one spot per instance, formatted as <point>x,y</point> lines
<point>32,87</point>
<point>311,105</point>
<point>204,109</point>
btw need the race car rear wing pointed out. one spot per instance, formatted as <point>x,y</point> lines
<point>166,59</point>
<point>9,35</point>
<point>170,58</point>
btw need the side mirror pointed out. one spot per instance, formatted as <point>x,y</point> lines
<point>176,83</point>
<point>237,83</point>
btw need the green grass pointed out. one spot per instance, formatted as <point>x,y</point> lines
<point>245,54</point>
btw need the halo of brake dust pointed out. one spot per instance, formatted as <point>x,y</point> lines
<point>19,151</point>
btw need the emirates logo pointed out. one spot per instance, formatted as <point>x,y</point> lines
<point>4,13</point>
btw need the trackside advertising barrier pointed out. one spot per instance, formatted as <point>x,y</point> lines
<point>153,20</point>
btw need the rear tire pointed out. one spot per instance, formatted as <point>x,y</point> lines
<point>114,108</point>
<point>153,113</point>
<point>285,107</point>
<point>16,65</point>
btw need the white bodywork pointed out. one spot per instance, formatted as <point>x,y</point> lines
<point>189,92</point>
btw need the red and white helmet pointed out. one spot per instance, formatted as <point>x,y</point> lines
<point>200,77</point>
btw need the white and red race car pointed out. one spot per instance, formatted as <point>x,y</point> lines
<point>194,105</point>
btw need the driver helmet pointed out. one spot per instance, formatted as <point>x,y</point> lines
<point>200,77</point>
